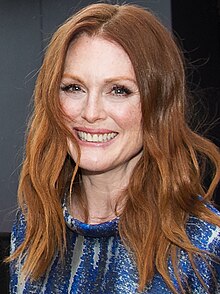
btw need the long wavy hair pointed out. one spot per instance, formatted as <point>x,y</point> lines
<point>165,184</point>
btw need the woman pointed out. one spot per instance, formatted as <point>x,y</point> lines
<point>110,191</point>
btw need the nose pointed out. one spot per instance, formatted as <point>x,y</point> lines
<point>93,109</point>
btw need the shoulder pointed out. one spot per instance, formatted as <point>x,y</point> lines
<point>204,235</point>
<point>18,230</point>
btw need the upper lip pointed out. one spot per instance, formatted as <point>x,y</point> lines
<point>94,131</point>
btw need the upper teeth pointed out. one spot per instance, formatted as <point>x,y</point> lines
<point>96,137</point>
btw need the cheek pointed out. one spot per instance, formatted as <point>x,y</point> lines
<point>72,150</point>
<point>70,108</point>
<point>129,118</point>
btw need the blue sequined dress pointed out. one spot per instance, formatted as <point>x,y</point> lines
<point>97,262</point>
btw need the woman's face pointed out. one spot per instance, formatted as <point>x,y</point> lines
<point>100,94</point>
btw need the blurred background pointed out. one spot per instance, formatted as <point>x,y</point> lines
<point>26,27</point>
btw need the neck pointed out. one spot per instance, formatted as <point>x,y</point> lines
<point>102,191</point>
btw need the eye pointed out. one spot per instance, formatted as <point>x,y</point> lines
<point>120,90</point>
<point>71,88</point>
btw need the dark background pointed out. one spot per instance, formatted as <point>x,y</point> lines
<point>196,25</point>
<point>25,29</point>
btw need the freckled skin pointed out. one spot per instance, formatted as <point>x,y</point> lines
<point>97,66</point>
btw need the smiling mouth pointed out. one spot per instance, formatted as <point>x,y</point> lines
<point>96,138</point>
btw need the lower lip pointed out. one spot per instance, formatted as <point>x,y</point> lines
<point>95,144</point>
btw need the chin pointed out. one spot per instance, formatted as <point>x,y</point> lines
<point>95,168</point>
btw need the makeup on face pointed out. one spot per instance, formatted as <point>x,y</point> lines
<point>99,94</point>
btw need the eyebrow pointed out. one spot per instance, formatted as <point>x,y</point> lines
<point>73,77</point>
<point>106,81</point>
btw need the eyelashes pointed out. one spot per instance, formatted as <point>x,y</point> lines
<point>70,88</point>
<point>115,90</point>
<point>121,90</point>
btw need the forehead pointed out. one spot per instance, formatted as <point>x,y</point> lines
<point>99,54</point>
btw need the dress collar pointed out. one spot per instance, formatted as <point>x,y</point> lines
<point>105,229</point>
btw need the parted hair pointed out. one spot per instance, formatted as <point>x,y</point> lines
<point>163,189</point>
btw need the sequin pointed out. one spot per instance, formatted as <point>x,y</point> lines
<point>96,262</point>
